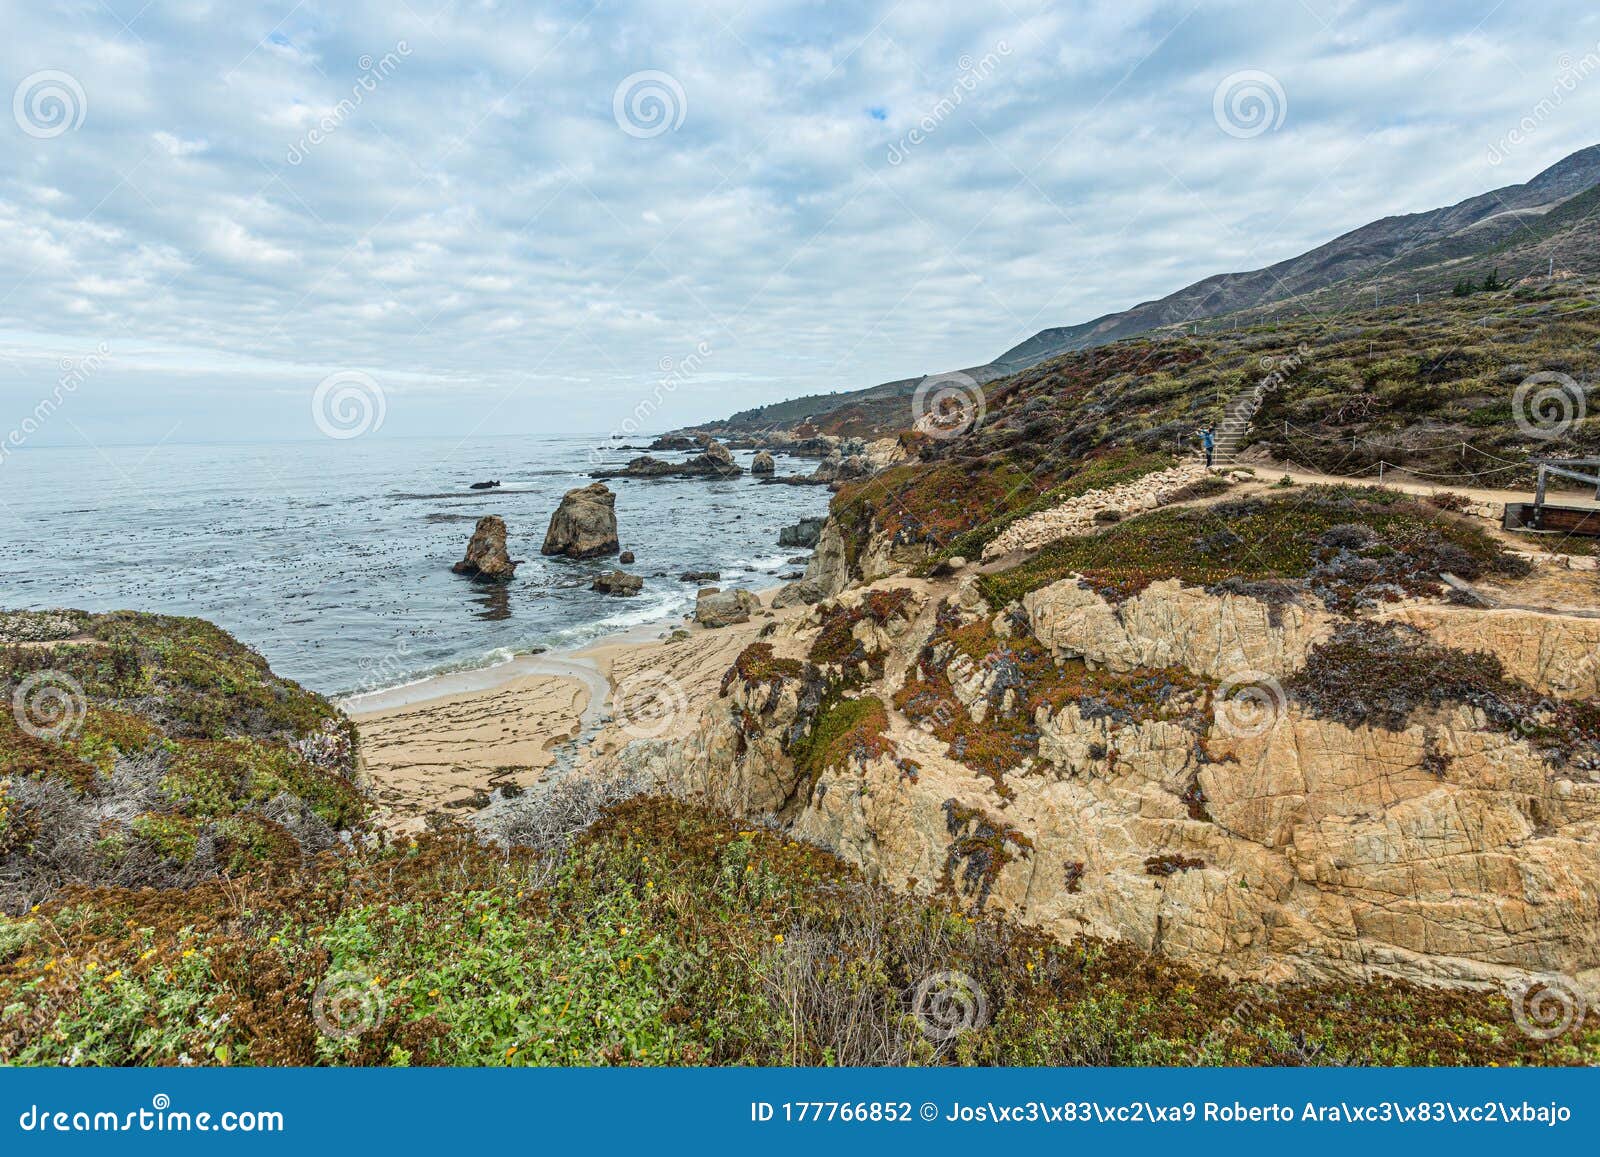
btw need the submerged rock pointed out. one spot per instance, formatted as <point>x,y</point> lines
<point>585,524</point>
<point>486,558</point>
<point>484,485</point>
<point>700,576</point>
<point>717,608</point>
<point>617,582</point>
<point>625,557</point>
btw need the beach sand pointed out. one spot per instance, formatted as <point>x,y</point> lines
<point>442,743</point>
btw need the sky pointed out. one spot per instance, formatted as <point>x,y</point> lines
<point>230,221</point>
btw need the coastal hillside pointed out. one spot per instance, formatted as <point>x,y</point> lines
<point>1063,749</point>
<point>1311,715</point>
<point>172,902</point>
<point>1546,226</point>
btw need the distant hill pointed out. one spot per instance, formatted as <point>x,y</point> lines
<point>1549,222</point>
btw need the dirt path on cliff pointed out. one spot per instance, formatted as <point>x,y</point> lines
<point>1399,480</point>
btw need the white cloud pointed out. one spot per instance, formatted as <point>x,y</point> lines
<point>478,221</point>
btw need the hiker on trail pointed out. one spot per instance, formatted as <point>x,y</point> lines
<point>1208,439</point>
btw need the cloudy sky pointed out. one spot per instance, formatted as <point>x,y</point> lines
<point>515,218</point>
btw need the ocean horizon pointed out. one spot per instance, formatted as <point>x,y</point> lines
<point>332,557</point>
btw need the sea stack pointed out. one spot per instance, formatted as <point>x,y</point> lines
<point>487,559</point>
<point>585,524</point>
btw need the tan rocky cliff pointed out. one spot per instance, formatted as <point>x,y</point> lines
<point>1277,847</point>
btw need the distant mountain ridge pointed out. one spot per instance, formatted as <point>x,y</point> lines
<point>1549,222</point>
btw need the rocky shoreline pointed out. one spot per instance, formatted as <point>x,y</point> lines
<point>1267,878</point>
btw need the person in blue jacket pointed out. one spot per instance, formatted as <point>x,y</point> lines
<point>1208,440</point>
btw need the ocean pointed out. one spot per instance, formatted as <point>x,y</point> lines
<point>332,557</point>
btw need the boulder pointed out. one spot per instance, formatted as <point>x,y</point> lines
<point>700,576</point>
<point>718,608</point>
<point>617,582</point>
<point>487,559</point>
<point>584,525</point>
<point>763,463</point>
<point>714,462</point>
<point>625,557</point>
<point>842,468</point>
<point>803,533</point>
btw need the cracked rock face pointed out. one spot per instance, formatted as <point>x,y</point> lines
<point>1276,847</point>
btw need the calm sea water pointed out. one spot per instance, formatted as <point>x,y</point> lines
<point>332,558</point>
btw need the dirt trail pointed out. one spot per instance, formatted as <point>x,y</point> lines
<point>1409,484</point>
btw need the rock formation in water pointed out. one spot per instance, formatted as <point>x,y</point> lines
<point>763,463</point>
<point>713,462</point>
<point>585,524</point>
<point>486,558</point>
<point>617,582</point>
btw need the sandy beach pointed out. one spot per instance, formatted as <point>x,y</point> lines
<point>445,741</point>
